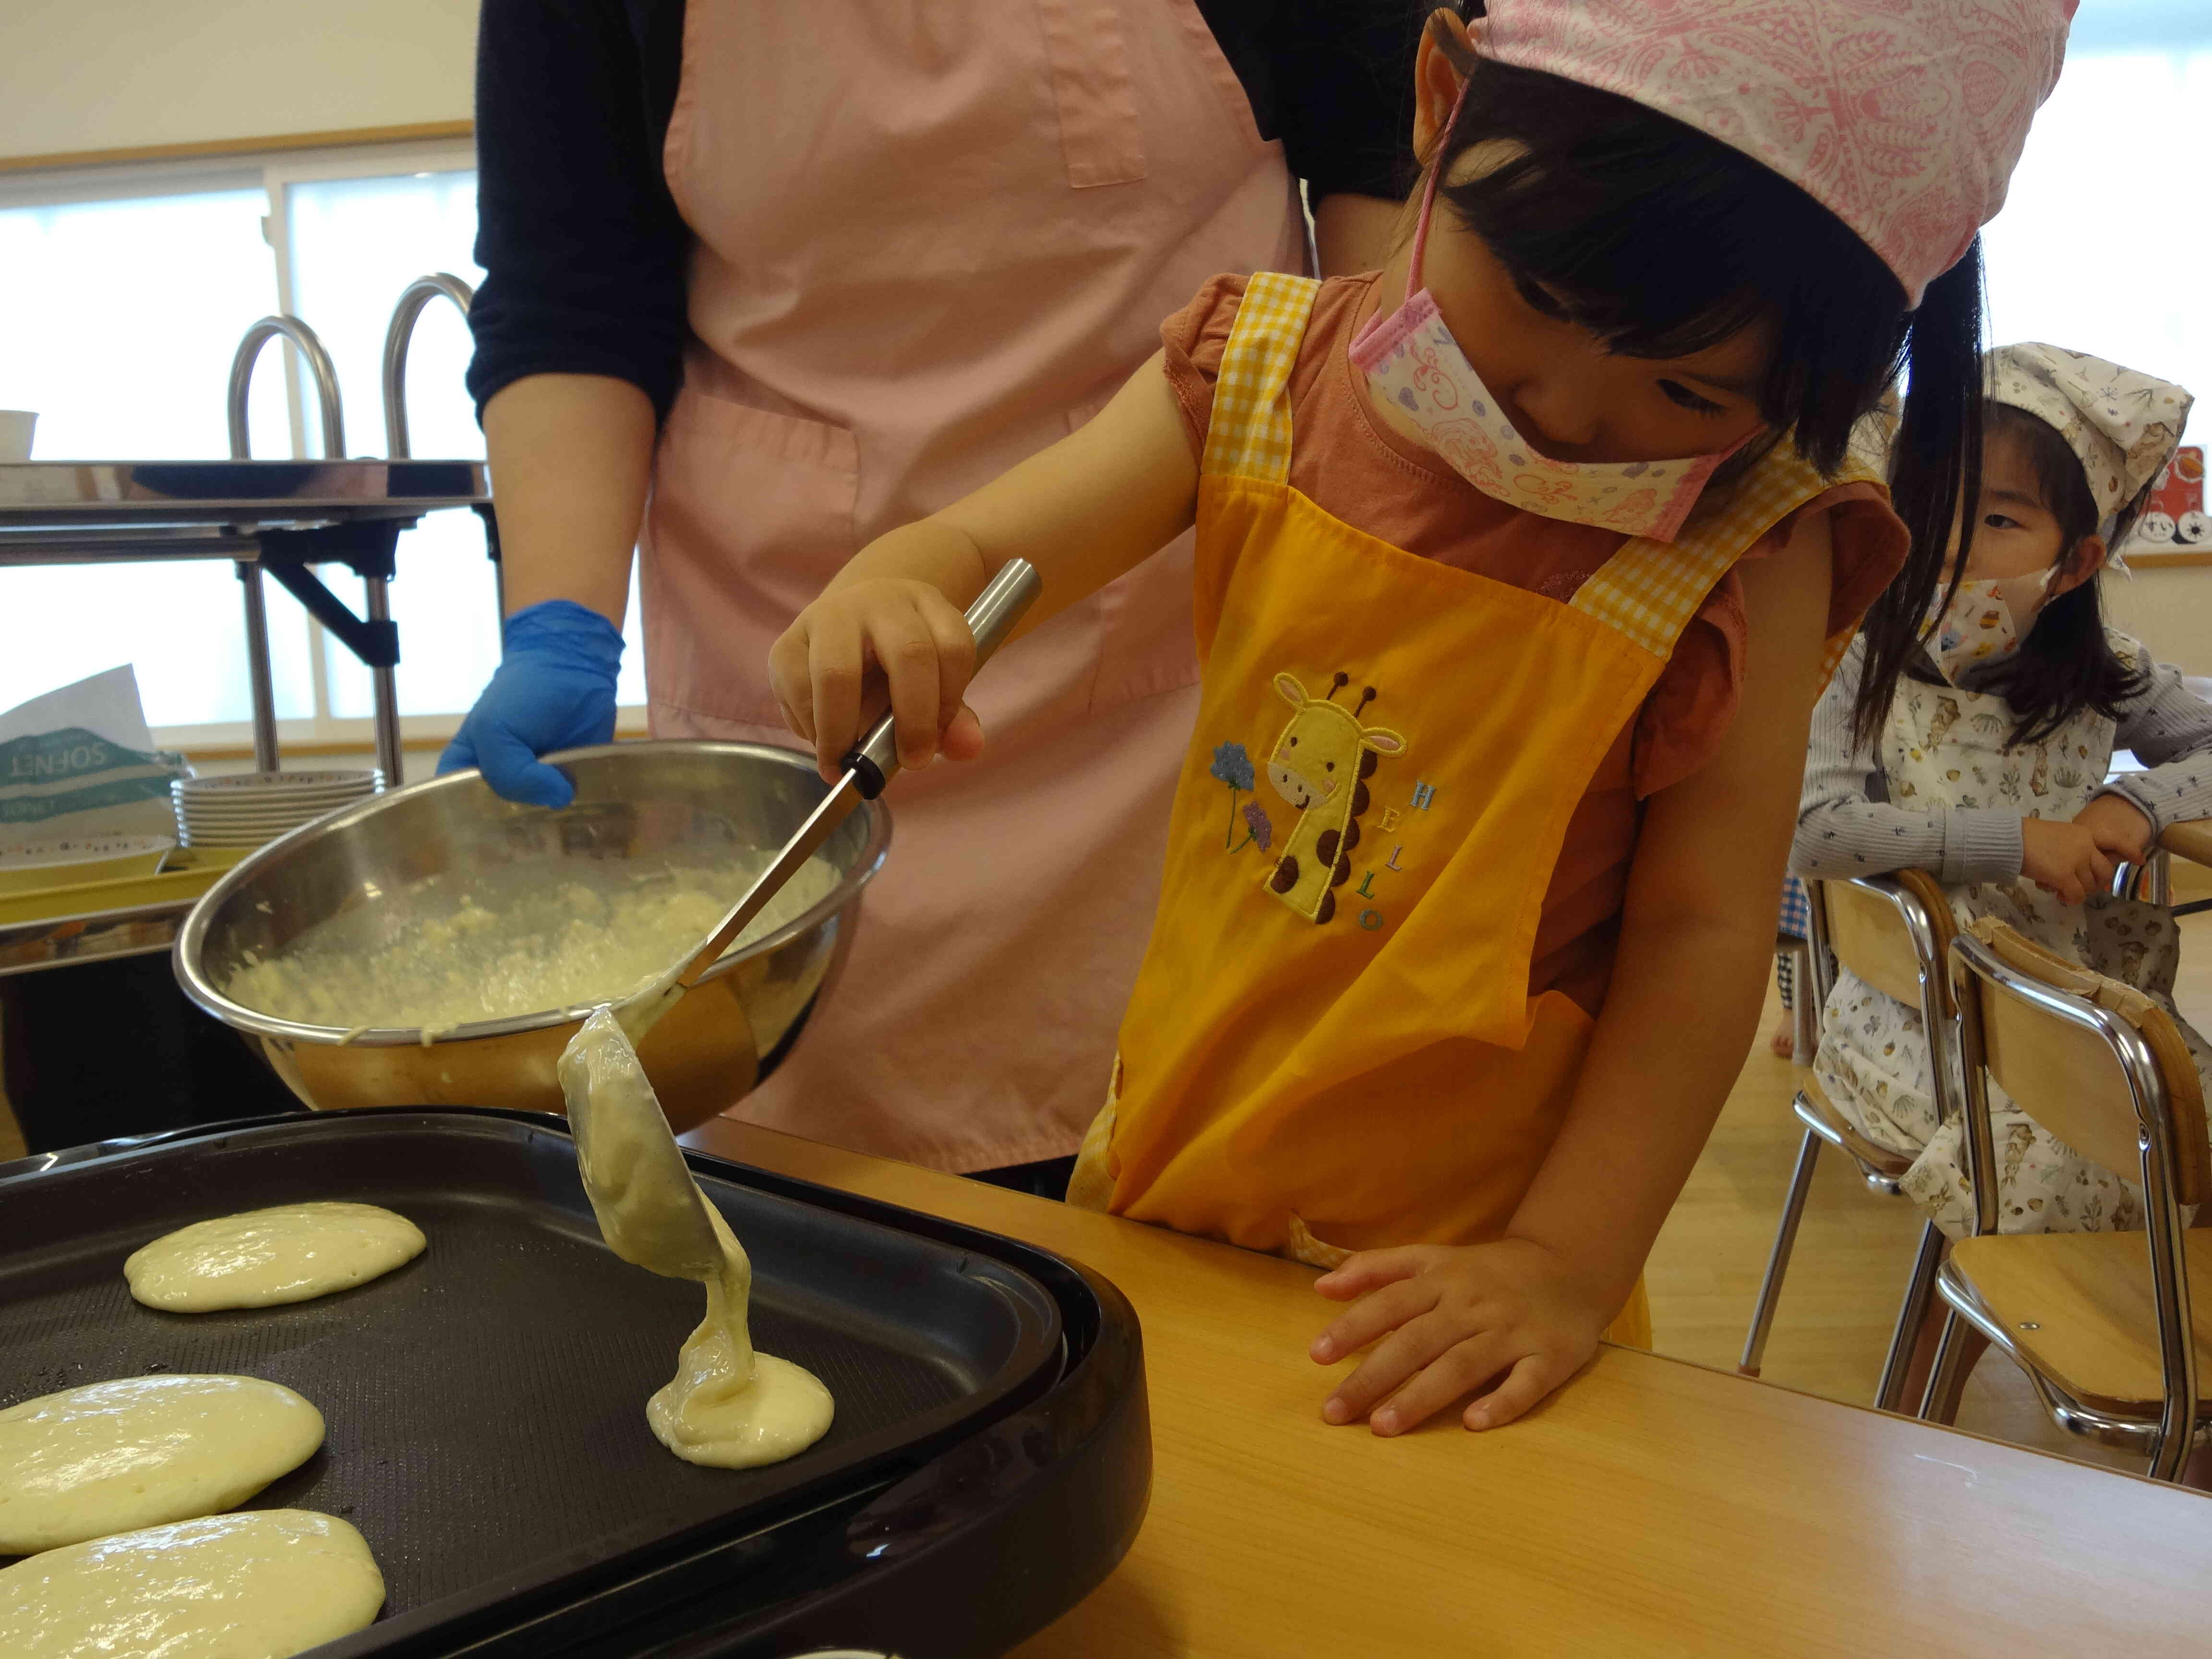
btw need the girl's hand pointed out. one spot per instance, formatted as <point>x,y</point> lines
<point>1088,509</point>
<point>870,641</point>
<point>2118,827</point>
<point>2063,859</point>
<point>1455,1318</point>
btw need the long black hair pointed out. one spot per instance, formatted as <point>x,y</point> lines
<point>2067,663</point>
<point>1662,242</point>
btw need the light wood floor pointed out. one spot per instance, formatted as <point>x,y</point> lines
<point>1839,1302</point>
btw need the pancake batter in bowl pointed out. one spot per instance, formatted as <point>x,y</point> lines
<point>728,1406</point>
<point>492,947</point>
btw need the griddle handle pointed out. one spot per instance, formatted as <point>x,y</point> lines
<point>990,619</point>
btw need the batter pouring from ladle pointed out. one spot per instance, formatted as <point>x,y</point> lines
<point>728,1404</point>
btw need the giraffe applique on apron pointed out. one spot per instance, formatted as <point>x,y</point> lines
<point>1325,783</point>
<point>1331,1046</point>
<point>1944,748</point>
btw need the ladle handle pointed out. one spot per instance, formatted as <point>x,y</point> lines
<point>990,619</point>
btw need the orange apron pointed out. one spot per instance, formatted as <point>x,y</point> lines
<point>1331,1046</point>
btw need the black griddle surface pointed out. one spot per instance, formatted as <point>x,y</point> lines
<point>484,1404</point>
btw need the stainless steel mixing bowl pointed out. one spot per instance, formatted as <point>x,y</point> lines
<point>647,804</point>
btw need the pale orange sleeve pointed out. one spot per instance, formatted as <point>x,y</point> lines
<point>1192,342</point>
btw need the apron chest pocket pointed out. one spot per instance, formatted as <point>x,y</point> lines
<point>1099,132</point>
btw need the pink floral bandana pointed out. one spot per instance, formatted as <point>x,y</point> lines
<point>1903,117</point>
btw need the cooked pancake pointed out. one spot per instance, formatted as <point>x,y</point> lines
<point>141,1450</point>
<point>257,1586</point>
<point>262,1258</point>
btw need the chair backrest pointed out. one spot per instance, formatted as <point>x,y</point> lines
<point>1890,930</point>
<point>2065,1074</point>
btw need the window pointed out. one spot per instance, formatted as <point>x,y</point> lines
<point>118,318</point>
<point>352,244</point>
<point>122,295</point>
<point>123,292</point>
<point>2104,236</point>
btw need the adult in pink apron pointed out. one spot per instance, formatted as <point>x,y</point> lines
<point>927,241</point>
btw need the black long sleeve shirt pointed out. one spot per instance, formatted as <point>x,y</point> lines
<point>583,249</point>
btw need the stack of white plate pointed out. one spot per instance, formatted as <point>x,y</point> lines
<point>247,809</point>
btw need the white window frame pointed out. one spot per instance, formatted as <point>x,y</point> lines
<point>274,173</point>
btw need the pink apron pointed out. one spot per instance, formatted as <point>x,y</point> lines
<point>933,237</point>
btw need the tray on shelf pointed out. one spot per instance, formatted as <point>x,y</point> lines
<point>186,874</point>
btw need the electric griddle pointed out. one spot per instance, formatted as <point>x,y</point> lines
<point>989,1463</point>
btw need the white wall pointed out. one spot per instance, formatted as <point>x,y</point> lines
<point>2169,609</point>
<point>97,74</point>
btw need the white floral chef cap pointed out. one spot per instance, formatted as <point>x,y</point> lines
<point>2123,425</point>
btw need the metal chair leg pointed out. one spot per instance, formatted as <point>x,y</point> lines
<point>1777,1260</point>
<point>1919,1294</point>
<point>1956,1351</point>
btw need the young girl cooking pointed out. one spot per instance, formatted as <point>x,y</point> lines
<point>1518,564</point>
<point>1988,768</point>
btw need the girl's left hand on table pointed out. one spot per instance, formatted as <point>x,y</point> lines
<point>1452,1318</point>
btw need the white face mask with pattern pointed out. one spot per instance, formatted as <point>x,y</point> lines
<point>1413,363</point>
<point>1985,621</point>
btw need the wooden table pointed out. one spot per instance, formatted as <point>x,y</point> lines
<point>2191,841</point>
<point>1652,1508</point>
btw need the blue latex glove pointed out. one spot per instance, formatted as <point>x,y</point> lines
<point>554,689</point>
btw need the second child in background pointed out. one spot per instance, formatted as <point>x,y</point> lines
<point>1990,772</point>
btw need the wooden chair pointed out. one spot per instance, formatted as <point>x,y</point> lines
<point>1894,931</point>
<point>2113,1355</point>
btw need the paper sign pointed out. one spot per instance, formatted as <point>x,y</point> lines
<point>79,773</point>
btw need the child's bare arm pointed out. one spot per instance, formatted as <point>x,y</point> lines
<point>1697,938</point>
<point>1088,509</point>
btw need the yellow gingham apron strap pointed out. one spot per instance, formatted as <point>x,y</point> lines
<point>1249,433</point>
<point>1649,590</point>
